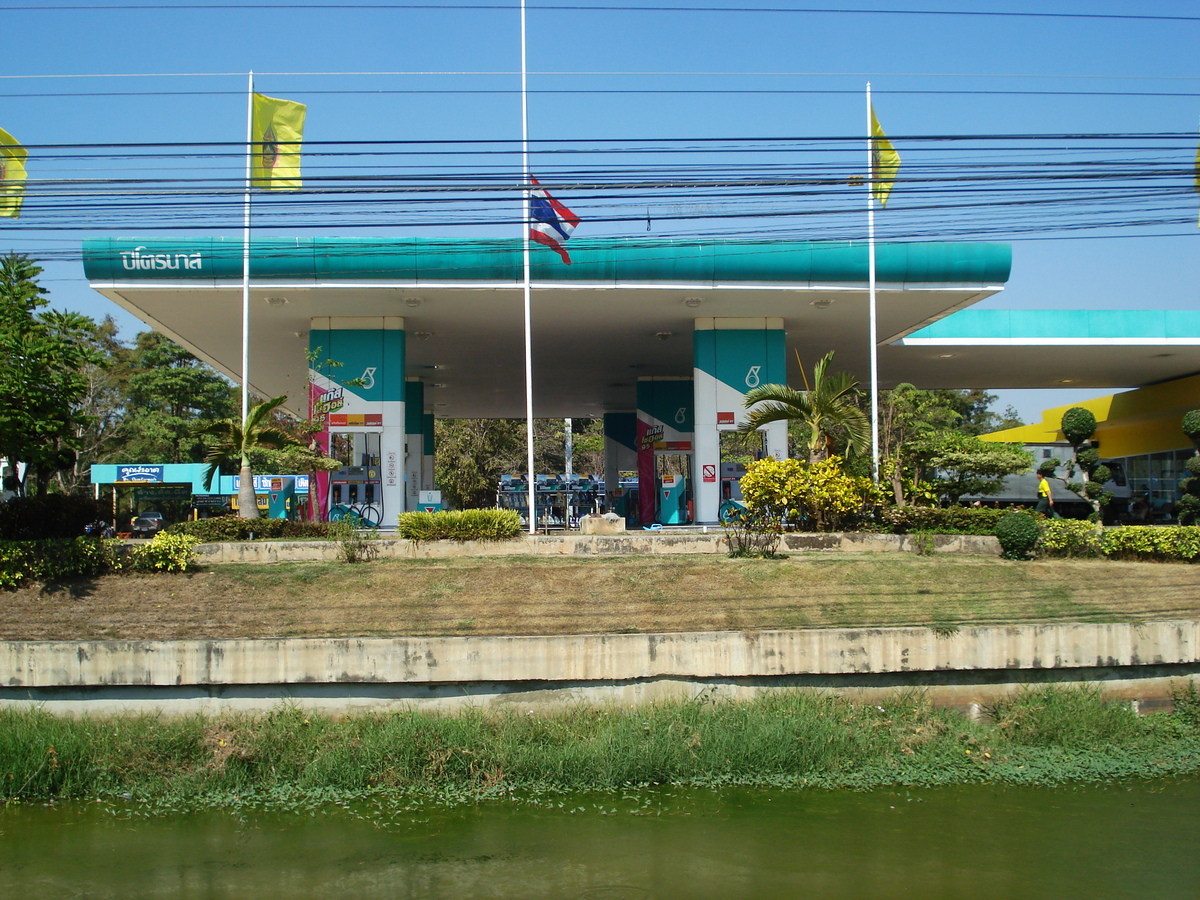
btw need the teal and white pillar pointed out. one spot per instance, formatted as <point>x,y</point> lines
<point>731,356</point>
<point>620,452</point>
<point>414,441</point>
<point>428,445</point>
<point>665,424</point>
<point>357,386</point>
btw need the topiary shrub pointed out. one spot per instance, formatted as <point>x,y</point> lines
<point>1018,534</point>
<point>1078,424</point>
<point>1191,426</point>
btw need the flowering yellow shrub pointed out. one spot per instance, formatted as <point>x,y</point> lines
<point>817,496</point>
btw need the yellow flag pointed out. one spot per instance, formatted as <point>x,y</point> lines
<point>12,175</point>
<point>885,162</point>
<point>277,130</point>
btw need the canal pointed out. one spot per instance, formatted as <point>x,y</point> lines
<point>981,842</point>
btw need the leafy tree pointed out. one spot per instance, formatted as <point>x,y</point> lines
<point>42,357</point>
<point>472,454</point>
<point>101,408</point>
<point>965,464</point>
<point>909,420</point>
<point>169,393</point>
<point>231,441</point>
<point>828,409</point>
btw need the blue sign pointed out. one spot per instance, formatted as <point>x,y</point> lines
<point>139,474</point>
<point>262,483</point>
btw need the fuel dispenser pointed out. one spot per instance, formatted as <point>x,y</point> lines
<point>673,500</point>
<point>356,488</point>
<point>674,496</point>
<point>281,499</point>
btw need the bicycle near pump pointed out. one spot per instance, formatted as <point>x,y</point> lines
<point>360,515</point>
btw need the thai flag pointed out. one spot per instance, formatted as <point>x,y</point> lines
<point>551,223</point>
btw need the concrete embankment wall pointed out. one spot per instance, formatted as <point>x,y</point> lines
<point>966,668</point>
<point>575,544</point>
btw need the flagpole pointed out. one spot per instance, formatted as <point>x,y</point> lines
<point>874,338</point>
<point>525,264</point>
<point>246,252</point>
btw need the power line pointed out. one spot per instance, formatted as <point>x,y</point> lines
<point>561,8</point>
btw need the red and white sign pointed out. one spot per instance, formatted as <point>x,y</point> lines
<point>726,418</point>
<point>710,473</point>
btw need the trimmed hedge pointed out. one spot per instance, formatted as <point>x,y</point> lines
<point>22,561</point>
<point>49,517</point>
<point>1067,538</point>
<point>460,525</point>
<point>954,520</point>
<point>237,530</point>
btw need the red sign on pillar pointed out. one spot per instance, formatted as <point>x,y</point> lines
<point>709,473</point>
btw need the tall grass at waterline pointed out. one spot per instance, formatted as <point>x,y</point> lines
<point>792,739</point>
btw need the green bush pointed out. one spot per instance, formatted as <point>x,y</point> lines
<point>1153,542</point>
<point>166,553</point>
<point>460,525</point>
<point>234,529</point>
<point>1070,538</point>
<point>49,517</point>
<point>1018,534</point>
<point>22,561</point>
<point>954,520</point>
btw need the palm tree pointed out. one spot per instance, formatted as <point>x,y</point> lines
<point>233,441</point>
<point>828,407</point>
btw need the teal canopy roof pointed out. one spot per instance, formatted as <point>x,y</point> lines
<point>420,260</point>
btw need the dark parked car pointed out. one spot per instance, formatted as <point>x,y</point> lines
<point>148,524</point>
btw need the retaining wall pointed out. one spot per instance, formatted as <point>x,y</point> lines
<point>964,668</point>
<point>576,544</point>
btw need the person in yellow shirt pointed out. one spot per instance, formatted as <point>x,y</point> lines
<point>1045,502</point>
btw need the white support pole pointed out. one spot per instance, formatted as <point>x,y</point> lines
<point>246,253</point>
<point>874,338</point>
<point>525,262</point>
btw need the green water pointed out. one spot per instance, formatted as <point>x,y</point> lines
<point>1136,840</point>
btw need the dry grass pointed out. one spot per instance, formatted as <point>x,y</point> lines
<point>518,595</point>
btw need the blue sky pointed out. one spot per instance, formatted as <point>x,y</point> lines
<point>77,76</point>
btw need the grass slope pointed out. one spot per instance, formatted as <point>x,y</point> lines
<point>519,595</point>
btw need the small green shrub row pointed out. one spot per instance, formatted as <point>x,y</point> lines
<point>460,525</point>
<point>22,561</point>
<point>1067,538</point>
<point>25,561</point>
<point>954,520</point>
<point>232,528</point>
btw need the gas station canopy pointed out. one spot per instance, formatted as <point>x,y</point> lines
<point>625,309</point>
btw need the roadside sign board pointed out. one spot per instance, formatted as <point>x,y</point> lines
<point>152,492</point>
